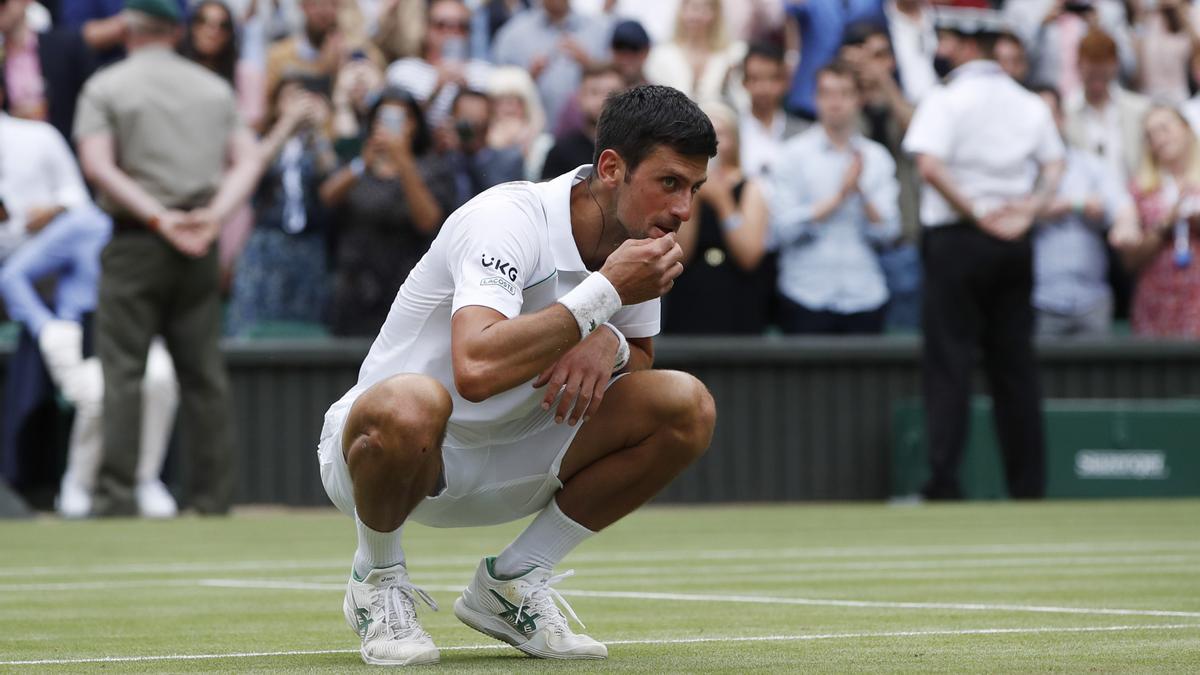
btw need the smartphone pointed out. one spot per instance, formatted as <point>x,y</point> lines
<point>393,118</point>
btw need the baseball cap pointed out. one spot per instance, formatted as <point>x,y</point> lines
<point>159,9</point>
<point>630,35</point>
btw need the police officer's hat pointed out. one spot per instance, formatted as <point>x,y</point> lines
<point>971,21</point>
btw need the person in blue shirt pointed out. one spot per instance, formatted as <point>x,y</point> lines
<point>68,249</point>
<point>834,195</point>
<point>821,24</point>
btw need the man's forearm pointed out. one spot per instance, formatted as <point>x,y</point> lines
<point>127,193</point>
<point>504,353</point>
<point>235,188</point>
<point>934,172</point>
<point>1047,186</point>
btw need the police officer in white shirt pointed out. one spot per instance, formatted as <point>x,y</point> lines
<point>512,377</point>
<point>991,158</point>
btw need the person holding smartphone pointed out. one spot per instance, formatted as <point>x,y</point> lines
<point>387,204</point>
<point>283,272</point>
<point>444,68</point>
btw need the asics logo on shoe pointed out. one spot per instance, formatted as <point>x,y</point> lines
<point>518,617</point>
<point>364,620</point>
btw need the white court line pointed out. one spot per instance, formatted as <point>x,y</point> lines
<point>748,599</point>
<point>662,641</point>
<point>629,556</point>
<point>760,571</point>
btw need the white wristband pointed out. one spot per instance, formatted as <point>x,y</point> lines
<point>592,303</point>
<point>622,348</point>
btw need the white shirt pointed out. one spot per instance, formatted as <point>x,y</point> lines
<point>914,42</point>
<point>37,170</point>
<point>760,145</point>
<point>511,249</point>
<point>990,132</point>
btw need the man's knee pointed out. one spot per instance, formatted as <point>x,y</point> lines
<point>401,418</point>
<point>689,411</point>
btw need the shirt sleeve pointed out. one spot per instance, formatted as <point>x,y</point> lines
<point>639,321</point>
<point>930,132</point>
<point>882,191</point>
<point>1112,190</point>
<point>69,189</point>
<point>492,254</point>
<point>92,112</point>
<point>790,200</point>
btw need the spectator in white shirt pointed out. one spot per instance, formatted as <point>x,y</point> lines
<point>39,179</point>
<point>764,126</point>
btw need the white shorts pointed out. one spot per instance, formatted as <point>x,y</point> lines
<point>485,485</point>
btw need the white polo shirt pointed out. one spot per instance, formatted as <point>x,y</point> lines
<point>511,249</point>
<point>992,135</point>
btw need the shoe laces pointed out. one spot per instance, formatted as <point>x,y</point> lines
<point>542,597</point>
<point>399,604</point>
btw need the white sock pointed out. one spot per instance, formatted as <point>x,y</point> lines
<point>376,550</point>
<point>547,540</point>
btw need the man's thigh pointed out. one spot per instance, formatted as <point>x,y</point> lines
<point>634,407</point>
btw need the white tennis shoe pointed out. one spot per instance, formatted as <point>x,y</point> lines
<point>382,610</point>
<point>524,612</point>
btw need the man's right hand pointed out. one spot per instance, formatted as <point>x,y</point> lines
<point>644,269</point>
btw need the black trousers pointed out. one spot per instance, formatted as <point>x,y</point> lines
<point>977,295</point>
<point>795,318</point>
<point>148,288</point>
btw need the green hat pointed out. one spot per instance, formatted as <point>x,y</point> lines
<point>167,10</point>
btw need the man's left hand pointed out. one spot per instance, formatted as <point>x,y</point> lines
<point>580,376</point>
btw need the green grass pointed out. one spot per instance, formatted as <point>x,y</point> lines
<point>969,587</point>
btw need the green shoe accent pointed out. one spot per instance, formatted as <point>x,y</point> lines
<point>491,570</point>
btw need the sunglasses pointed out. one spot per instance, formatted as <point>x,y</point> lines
<point>457,26</point>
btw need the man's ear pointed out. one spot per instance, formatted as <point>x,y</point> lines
<point>610,168</point>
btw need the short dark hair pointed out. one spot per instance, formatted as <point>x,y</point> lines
<point>468,92</point>
<point>637,120</point>
<point>1048,90</point>
<point>836,68</point>
<point>859,32</point>
<point>764,50</point>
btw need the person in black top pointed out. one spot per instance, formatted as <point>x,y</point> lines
<point>728,278</point>
<point>577,147</point>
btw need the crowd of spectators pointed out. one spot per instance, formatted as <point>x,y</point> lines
<point>375,119</point>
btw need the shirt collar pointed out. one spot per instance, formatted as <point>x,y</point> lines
<point>827,144</point>
<point>556,201</point>
<point>568,21</point>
